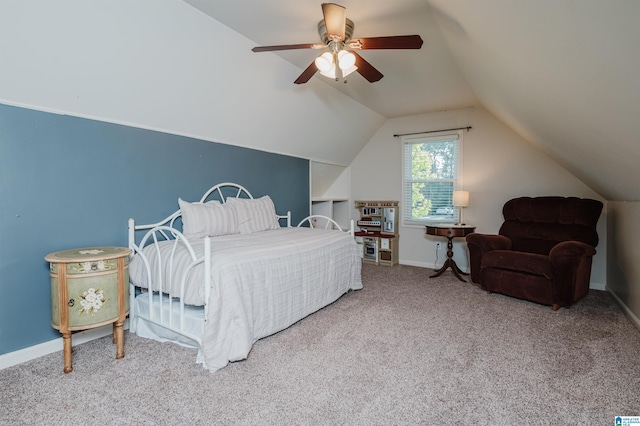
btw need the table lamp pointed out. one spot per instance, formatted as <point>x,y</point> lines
<point>460,200</point>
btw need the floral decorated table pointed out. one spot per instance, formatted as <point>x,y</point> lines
<point>89,288</point>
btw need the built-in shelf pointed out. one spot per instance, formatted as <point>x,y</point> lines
<point>330,192</point>
<point>337,209</point>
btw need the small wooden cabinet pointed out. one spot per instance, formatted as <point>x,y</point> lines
<point>89,288</point>
<point>378,234</point>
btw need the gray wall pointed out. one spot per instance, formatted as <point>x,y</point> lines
<point>68,182</point>
<point>623,262</point>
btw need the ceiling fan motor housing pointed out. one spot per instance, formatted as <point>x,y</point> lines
<point>348,31</point>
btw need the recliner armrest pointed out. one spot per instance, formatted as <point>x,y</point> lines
<point>479,244</point>
<point>571,249</point>
<point>571,262</point>
<point>488,242</point>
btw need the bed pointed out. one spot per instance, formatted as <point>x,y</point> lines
<point>221,273</point>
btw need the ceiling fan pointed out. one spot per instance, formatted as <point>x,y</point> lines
<point>340,59</point>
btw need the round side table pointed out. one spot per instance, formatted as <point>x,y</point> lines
<point>89,288</point>
<point>450,231</point>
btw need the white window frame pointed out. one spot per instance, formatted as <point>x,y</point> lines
<point>407,220</point>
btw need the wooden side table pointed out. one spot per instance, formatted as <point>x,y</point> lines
<point>450,231</point>
<point>89,288</point>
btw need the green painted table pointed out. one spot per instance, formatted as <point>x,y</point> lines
<point>89,288</point>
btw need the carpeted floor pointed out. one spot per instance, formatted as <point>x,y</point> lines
<point>404,350</point>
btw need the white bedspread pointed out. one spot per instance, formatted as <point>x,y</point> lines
<point>262,283</point>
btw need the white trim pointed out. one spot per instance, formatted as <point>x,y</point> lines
<point>418,264</point>
<point>36,351</point>
<point>428,265</point>
<point>626,309</point>
<point>152,128</point>
<point>458,136</point>
<point>465,268</point>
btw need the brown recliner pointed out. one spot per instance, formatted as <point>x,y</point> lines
<point>543,252</point>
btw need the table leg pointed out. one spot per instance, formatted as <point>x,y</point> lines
<point>460,271</point>
<point>66,343</point>
<point>456,271</point>
<point>450,263</point>
<point>118,332</point>
<point>445,266</point>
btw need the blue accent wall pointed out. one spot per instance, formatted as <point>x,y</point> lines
<point>68,182</point>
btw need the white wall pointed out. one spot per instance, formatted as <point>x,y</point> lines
<point>623,266</point>
<point>497,165</point>
<point>570,88</point>
<point>163,65</point>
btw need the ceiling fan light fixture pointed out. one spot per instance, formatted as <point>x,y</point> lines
<point>335,31</point>
<point>349,71</point>
<point>329,62</point>
<point>346,60</point>
<point>324,62</point>
<point>331,72</point>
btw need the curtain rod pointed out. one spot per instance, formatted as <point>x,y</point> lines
<point>432,131</point>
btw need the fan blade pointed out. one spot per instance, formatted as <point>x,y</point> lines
<point>307,74</point>
<point>366,69</point>
<point>390,42</point>
<point>335,18</point>
<point>288,47</point>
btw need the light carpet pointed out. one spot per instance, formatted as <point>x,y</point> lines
<point>404,350</point>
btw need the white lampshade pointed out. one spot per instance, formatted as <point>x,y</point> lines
<point>349,71</point>
<point>324,62</point>
<point>461,198</point>
<point>331,73</point>
<point>346,60</point>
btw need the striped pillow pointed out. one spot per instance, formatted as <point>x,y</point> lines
<point>254,215</point>
<point>211,218</point>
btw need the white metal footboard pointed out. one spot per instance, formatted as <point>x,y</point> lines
<point>325,222</point>
<point>162,309</point>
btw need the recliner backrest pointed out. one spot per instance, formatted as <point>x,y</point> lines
<point>537,224</point>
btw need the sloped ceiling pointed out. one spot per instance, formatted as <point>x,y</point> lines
<point>562,73</point>
<point>415,81</point>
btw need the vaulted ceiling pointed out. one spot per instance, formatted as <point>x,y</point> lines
<point>562,73</point>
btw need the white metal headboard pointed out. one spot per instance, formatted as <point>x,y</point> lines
<point>227,187</point>
<point>219,192</point>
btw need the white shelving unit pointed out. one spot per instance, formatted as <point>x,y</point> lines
<point>330,192</point>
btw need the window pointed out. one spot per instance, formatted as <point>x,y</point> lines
<point>432,171</point>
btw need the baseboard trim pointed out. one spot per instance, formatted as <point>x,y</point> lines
<point>634,319</point>
<point>36,351</point>
<point>592,285</point>
<point>418,264</point>
<point>464,268</point>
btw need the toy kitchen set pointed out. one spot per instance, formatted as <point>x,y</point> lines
<point>378,233</point>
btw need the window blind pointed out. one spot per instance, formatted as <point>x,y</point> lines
<point>431,173</point>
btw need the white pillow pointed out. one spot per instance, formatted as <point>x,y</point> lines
<point>211,218</point>
<point>254,215</point>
